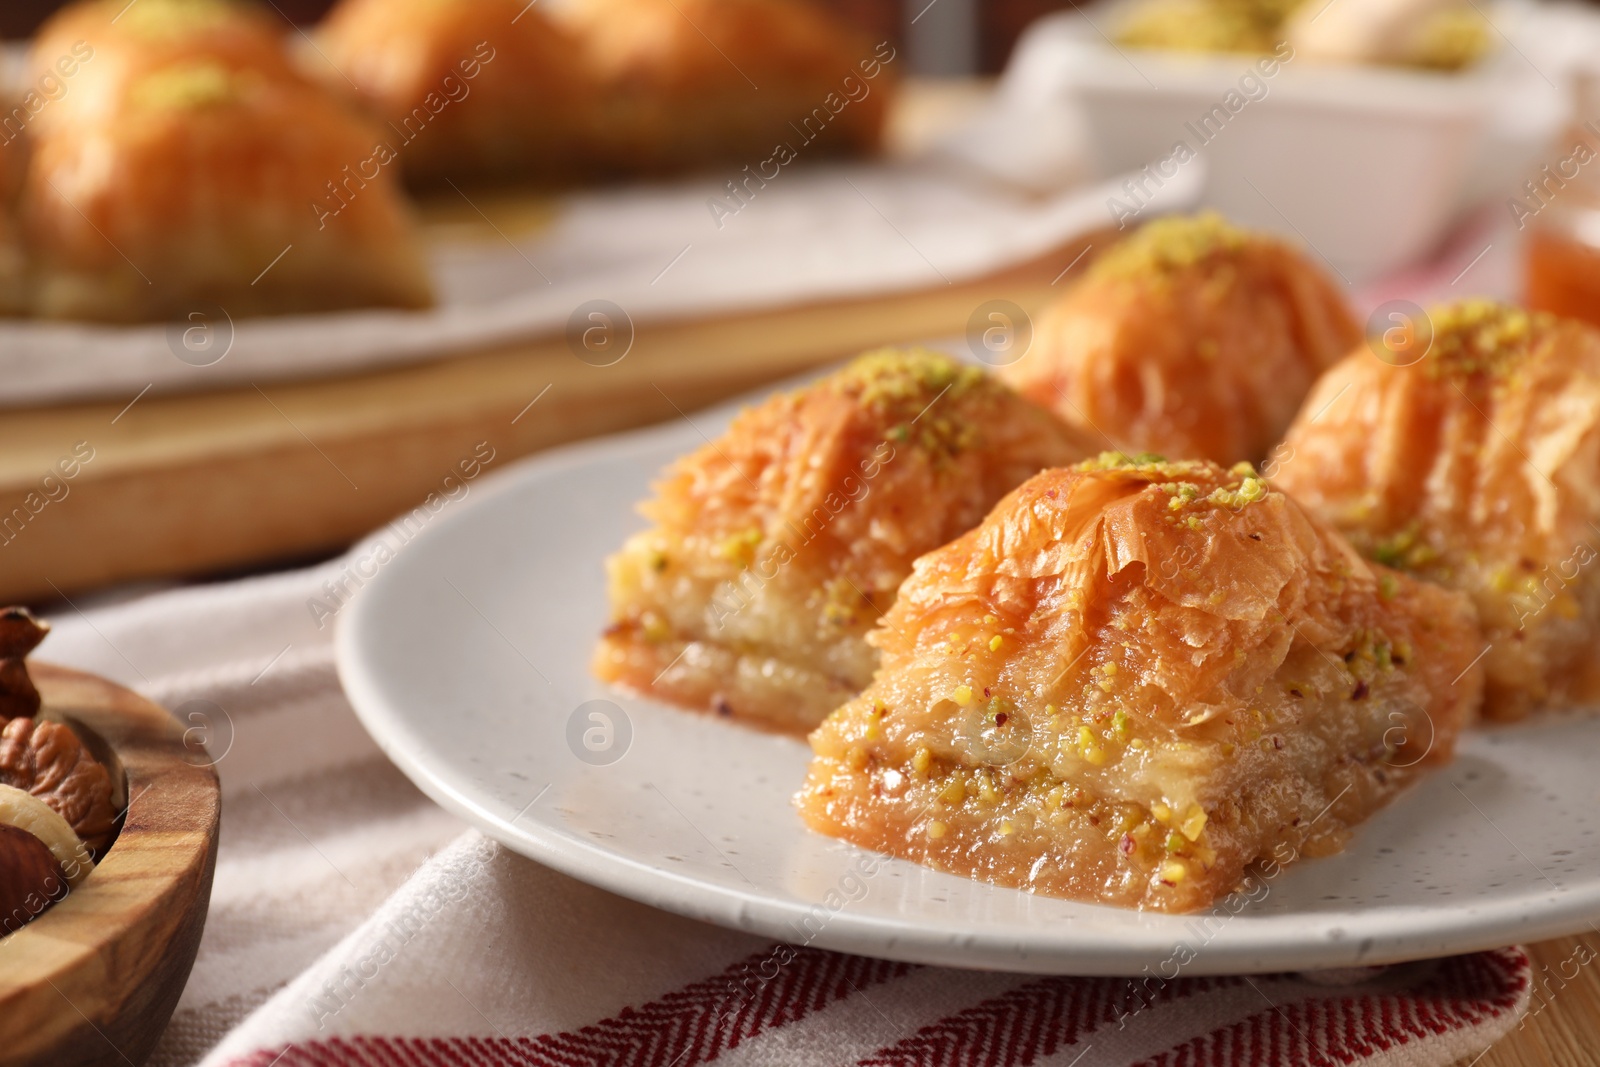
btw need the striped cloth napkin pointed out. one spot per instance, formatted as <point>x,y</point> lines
<point>353,922</point>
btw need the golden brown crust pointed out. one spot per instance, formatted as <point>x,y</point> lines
<point>1190,339</point>
<point>202,180</point>
<point>773,550</point>
<point>47,760</point>
<point>687,83</point>
<point>109,44</point>
<point>1476,467</point>
<point>1135,680</point>
<point>472,90</point>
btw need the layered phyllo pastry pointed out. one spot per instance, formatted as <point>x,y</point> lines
<point>1478,467</point>
<point>1135,680</point>
<point>214,185</point>
<point>1189,338</point>
<point>687,83</point>
<point>773,550</point>
<point>469,90</point>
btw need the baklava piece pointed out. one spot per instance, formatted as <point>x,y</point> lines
<point>1135,680</point>
<point>773,550</point>
<point>209,185</point>
<point>97,48</point>
<point>472,91</point>
<point>688,83</point>
<point>1190,338</point>
<point>1478,467</point>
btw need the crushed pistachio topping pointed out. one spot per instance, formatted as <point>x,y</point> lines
<point>1110,461</point>
<point>739,548</point>
<point>911,392</point>
<point>174,18</point>
<point>1404,550</point>
<point>1182,482</point>
<point>1167,245</point>
<point>1251,489</point>
<point>1182,493</point>
<point>897,378</point>
<point>189,87</point>
<point>1480,336</point>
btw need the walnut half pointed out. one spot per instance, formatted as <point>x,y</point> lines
<point>48,760</point>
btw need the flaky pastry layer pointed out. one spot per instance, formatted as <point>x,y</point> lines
<point>773,550</point>
<point>1476,465</point>
<point>1134,681</point>
<point>1191,338</point>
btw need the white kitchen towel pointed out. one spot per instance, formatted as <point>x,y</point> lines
<point>353,922</point>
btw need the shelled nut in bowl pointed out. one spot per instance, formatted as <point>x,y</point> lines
<point>108,837</point>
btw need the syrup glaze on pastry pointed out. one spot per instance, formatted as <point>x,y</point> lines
<point>1478,467</point>
<point>471,90</point>
<point>1134,680</point>
<point>186,157</point>
<point>773,550</point>
<point>686,83</point>
<point>1189,338</point>
<point>203,187</point>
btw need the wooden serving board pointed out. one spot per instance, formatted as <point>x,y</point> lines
<point>189,484</point>
<point>95,978</point>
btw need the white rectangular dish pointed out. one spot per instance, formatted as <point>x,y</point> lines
<point>1370,165</point>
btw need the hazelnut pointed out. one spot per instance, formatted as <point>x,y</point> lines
<point>27,814</point>
<point>31,878</point>
<point>48,760</point>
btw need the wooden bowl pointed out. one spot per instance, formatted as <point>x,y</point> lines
<point>96,977</point>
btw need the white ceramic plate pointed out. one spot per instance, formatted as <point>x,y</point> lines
<point>466,657</point>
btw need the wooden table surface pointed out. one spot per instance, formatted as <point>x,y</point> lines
<point>1562,1027</point>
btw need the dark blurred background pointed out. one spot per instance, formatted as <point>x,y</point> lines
<point>948,37</point>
